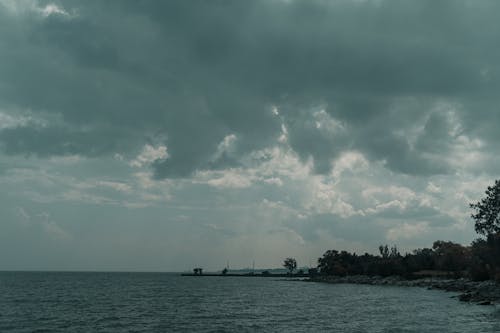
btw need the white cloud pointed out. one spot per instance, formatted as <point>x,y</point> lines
<point>274,180</point>
<point>325,122</point>
<point>349,161</point>
<point>52,9</point>
<point>271,166</point>
<point>283,138</point>
<point>230,178</point>
<point>275,111</point>
<point>407,231</point>
<point>19,7</point>
<point>149,154</point>
<point>144,179</point>
<point>12,121</point>
<point>66,160</point>
<point>433,188</point>
<point>226,146</point>
<point>279,207</point>
<point>324,198</point>
<point>278,162</point>
<point>45,185</point>
<point>117,186</point>
<point>379,194</point>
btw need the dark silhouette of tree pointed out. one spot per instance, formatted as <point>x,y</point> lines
<point>450,256</point>
<point>486,211</point>
<point>224,271</point>
<point>312,272</point>
<point>326,264</point>
<point>290,264</point>
<point>341,263</point>
<point>394,252</point>
<point>485,257</point>
<point>384,251</point>
<point>481,260</point>
<point>419,259</point>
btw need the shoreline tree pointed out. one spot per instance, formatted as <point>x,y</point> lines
<point>290,264</point>
<point>487,211</point>
<point>478,261</point>
<point>487,222</point>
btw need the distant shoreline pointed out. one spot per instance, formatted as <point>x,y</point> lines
<point>249,275</point>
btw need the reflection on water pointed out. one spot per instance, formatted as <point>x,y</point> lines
<point>145,302</point>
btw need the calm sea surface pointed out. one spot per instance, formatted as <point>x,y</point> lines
<point>156,302</point>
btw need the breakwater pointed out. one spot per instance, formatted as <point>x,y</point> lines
<point>270,275</point>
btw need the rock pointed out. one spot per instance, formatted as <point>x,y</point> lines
<point>465,297</point>
<point>483,293</point>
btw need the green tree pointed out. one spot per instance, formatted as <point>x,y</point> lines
<point>394,252</point>
<point>451,256</point>
<point>384,251</point>
<point>486,211</point>
<point>290,264</point>
<point>328,262</point>
<point>482,260</point>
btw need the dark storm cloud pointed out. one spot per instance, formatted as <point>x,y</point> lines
<point>193,72</point>
<point>50,141</point>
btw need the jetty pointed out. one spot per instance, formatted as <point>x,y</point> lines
<point>304,275</point>
<point>265,273</point>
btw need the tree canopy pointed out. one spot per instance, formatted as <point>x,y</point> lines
<point>486,211</point>
<point>290,264</point>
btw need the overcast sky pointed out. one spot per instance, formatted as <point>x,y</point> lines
<point>164,135</point>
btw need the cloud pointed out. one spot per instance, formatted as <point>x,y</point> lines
<point>333,123</point>
<point>230,178</point>
<point>24,217</point>
<point>149,155</point>
<point>10,121</point>
<point>20,7</point>
<point>274,180</point>
<point>54,230</point>
<point>52,9</point>
<point>407,231</point>
<point>61,186</point>
<point>117,186</point>
<point>221,68</point>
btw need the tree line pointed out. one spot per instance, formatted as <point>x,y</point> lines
<point>478,261</point>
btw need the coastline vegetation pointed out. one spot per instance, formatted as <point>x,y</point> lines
<point>478,261</point>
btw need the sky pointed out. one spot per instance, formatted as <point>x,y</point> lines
<point>166,135</point>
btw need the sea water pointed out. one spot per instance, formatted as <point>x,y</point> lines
<point>165,302</point>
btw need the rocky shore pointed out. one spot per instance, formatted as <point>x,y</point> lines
<point>483,293</point>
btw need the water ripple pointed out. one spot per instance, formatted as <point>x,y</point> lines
<point>148,302</point>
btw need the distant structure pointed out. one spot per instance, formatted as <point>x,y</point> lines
<point>198,271</point>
